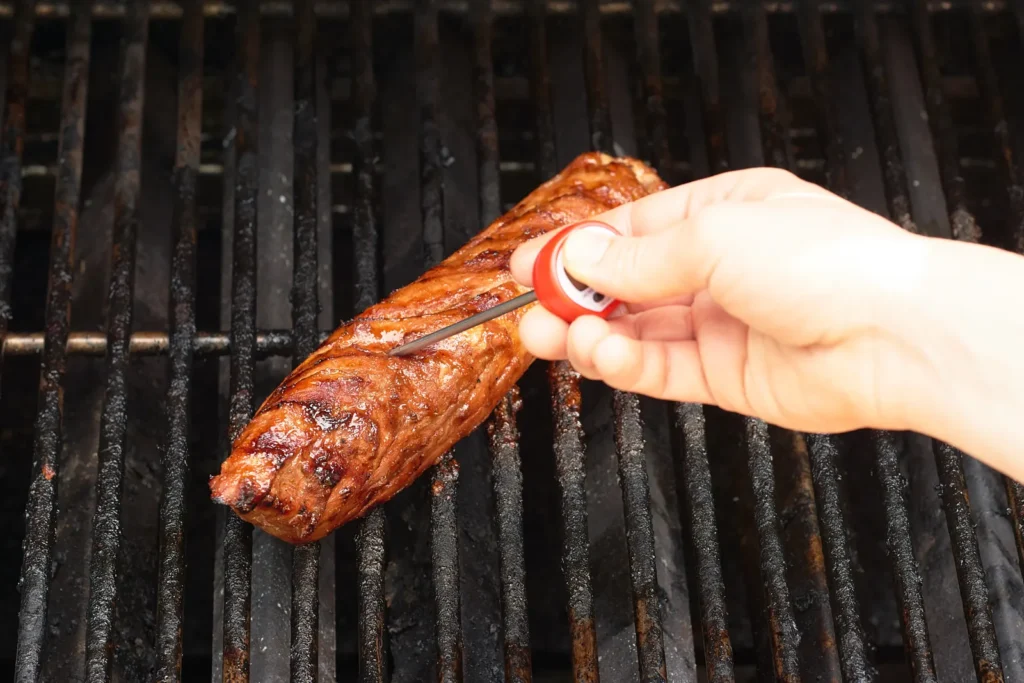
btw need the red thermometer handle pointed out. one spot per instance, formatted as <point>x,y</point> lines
<point>558,291</point>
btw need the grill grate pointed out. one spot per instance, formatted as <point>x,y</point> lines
<point>106,534</point>
<point>40,511</point>
<point>805,614</point>
<point>171,586</point>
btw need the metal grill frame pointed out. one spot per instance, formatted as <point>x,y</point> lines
<point>842,642</point>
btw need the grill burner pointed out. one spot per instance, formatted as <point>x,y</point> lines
<point>323,155</point>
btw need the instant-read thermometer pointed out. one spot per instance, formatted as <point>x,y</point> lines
<point>554,288</point>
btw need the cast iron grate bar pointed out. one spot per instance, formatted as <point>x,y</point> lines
<point>718,655</point>
<point>690,420</point>
<point>171,583</point>
<point>629,443</point>
<point>887,446</point>
<point>502,431</point>
<point>371,559</point>
<point>979,610</point>
<point>989,87</point>
<point>962,223</point>
<point>809,590</point>
<point>305,308</point>
<point>629,439</point>
<point>427,98</point>
<point>540,89</point>
<point>106,530</point>
<point>167,9</point>
<point>970,573</point>
<point>648,45</point>
<point>812,30</point>
<point>268,343</point>
<point>783,634</point>
<point>705,59</point>
<point>444,548</point>
<point>853,648</point>
<point>598,111</point>
<point>782,624</point>
<point>49,428</point>
<point>12,146</point>
<point>886,137</point>
<point>1011,168</point>
<point>565,400</point>
<point>508,497</point>
<point>570,466</point>
<point>771,114</point>
<point>444,539</point>
<point>1015,501</point>
<point>645,28</point>
<point>366,245</point>
<point>482,18</point>
<point>899,542</point>
<point>237,533</point>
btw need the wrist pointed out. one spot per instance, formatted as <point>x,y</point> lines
<point>967,331</point>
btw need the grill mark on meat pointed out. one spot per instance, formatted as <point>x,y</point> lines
<point>328,470</point>
<point>275,445</point>
<point>246,500</point>
<point>484,302</point>
<point>488,259</point>
<point>321,415</point>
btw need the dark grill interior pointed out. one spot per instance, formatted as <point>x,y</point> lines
<point>192,196</point>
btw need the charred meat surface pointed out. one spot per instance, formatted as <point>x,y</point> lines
<point>351,426</point>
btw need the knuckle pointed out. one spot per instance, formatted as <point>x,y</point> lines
<point>712,218</point>
<point>783,176</point>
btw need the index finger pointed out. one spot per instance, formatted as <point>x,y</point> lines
<point>660,210</point>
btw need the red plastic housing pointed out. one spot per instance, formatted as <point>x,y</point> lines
<point>559,292</point>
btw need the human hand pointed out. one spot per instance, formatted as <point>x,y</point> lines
<point>754,291</point>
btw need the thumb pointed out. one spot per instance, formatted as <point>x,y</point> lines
<point>662,265</point>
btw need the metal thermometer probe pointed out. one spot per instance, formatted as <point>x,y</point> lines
<point>554,288</point>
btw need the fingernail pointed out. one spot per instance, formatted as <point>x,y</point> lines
<point>586,248</point>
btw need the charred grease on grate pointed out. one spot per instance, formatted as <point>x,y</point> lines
<point>48,440</point>
<point>565,398</point>
<point>171,586</point>
<point>305,309</point>
<point>899,542</point>
<point>508,485</point>
<point>970,572</point>
<point>895,177</point>
<point>372,645</point>
<point>506,466</point>
<point>238,534</point>
<point>690,419</point>
<point>852,645</point>
<point>106,533</point>
<point>628,422</point>
<point>783,633</point>
<point>718,652</point>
